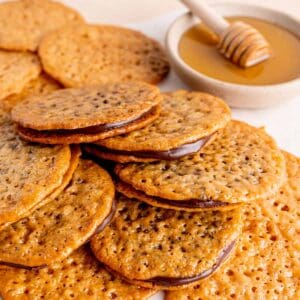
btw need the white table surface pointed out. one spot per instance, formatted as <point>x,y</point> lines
<point>153,17</point>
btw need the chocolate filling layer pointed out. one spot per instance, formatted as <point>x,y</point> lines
<point>97,128</point>
<point>173,281</point>
<point>108,219</point>
<point>192,203</point>
<point>171,154</point>
<point>104,223</point>
<point>170,281</point>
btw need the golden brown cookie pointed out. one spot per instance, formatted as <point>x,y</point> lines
<point>41,85</point>
<point>266,262</point>
<point>78,276</point>
<point>240,165</point>
<point>29,172</point>
<point>75,154</point>
<point>155,247</point>
<point>17,69</point>
<point>284,210</point>
<point>97,54</point>
<point>186,123</point>
<point>55,230</point>
<point>24,23</point>
<point>87,114</point>
<point>99,153</point>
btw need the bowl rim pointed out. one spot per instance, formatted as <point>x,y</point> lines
<point>174,53</point>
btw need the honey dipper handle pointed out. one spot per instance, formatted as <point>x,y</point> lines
<point>209,16</point>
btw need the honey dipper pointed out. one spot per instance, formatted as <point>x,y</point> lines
<point>239,42</point>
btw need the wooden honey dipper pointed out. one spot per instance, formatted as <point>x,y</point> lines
<point>239,42</point>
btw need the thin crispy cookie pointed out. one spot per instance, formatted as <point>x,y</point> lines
<point>52,137</point>
<point>28,173</point>
<point>145,244</point>
<point>79,276</point>
<point>41,85</point>
<point>87,106</point>
<point>75,154</point>
<point>55,230</point>
<point>24,23</point>
<point>17,69</point>
<point>98,153</point>
<point>185,117</point>
<point>266,262</point>
<point>241,164</point>
<point>94,54</point>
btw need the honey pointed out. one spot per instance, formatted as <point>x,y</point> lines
<point>197,48</point>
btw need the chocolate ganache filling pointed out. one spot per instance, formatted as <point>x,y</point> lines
<point>96,128</point>
<point>171,154</point>
<point>108,219</point>
<point>191,203</point>
<point>173,281</point>
<point>169,281</point>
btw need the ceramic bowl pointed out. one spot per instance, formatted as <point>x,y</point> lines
<point>236,95</point>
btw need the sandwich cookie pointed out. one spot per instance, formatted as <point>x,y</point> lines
<point>17,69</point>
<point>24,23</point>
<point>29,173</point>
<point>55,230</point>
<point>87,114</point>
<point>266,263</point>
<point>187,122</point>
<point>98,54</point>
<point>155,247</point>
<point>240,165</point>
<point>41,85</point>
<point>78,276</point>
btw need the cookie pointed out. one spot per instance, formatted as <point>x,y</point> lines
<point>75,154</point>
<point>155,247</point>
<point>87,114</point>
<point>266,263</point>
<point>284,209</point>
<point>41,85</point>
<point>240,165</point>
<point>97,54</point>
<point>24,23</point>
<point>29,172</point>
<point>79,276</point>
<point>99,153</point>
<point>186,123</point>
<point>17,69</point>
<point>55,230</point>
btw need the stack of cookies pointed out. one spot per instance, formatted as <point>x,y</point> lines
<point>169,194</point>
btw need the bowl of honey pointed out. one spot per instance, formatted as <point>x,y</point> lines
<point>191,48</point>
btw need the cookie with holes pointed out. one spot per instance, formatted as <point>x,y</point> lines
<point>187,122</point>
<point>28,173</point>
<point>163,248</point>
<point>97,54</point>
<point>55,230</point>
<point>75,154</point>
<point>17,69</point>
<point>240,165</point>
<point>87,114</point>
<point>79,276</point>
<point>266,263</point>
<point>41,85</point>
<point>24,23</point>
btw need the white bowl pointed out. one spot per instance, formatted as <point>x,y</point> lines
<point>236,95</point>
